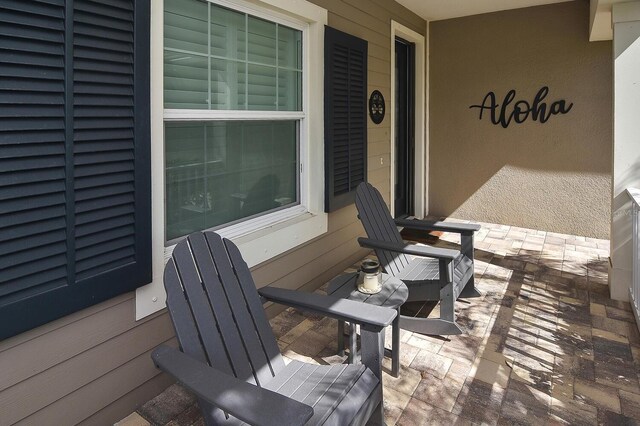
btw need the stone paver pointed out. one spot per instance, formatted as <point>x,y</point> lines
<point>544,344</point>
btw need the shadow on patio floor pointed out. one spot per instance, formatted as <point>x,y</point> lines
<point>544,345</point>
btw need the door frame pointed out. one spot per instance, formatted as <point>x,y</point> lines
<point>421,172</point>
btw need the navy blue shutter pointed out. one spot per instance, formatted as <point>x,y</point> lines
<point>345,117</point>
<point>75,218</point>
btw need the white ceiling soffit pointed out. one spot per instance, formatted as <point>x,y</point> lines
<point>435,10</point>
<point>601,28</point>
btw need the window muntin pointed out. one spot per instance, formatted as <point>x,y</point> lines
<point>233,86</point>
<point>219,59</point>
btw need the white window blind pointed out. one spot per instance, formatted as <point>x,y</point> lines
<point>220,59</point>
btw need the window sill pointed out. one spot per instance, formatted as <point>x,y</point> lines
<point>268,236</point>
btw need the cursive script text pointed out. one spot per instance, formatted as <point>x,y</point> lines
<point>521,110</point>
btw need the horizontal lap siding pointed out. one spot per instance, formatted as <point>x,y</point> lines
<point>68,373</point>
<point>372,21</point>
<point>325,257</point>
<point>71,374</point>
<point>94,367</point>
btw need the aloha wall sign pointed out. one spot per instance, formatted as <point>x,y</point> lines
<point>520,111</point>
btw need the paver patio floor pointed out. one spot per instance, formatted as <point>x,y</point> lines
<point>543,345</point>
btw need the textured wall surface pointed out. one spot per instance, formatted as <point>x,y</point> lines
<point>554,176</point>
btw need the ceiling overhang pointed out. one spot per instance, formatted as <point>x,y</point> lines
<point>601,27</point>
<point>436,10</point>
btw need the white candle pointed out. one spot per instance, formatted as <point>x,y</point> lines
<point>370,281</point>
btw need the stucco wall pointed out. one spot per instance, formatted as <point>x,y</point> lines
<point>554,176</point>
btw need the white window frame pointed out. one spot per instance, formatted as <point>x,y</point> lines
<point>269,235</point>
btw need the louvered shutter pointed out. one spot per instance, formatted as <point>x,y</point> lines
<point>345,117</point>
<point>74,156</point>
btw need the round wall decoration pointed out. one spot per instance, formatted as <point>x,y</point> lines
<point>376,107</point>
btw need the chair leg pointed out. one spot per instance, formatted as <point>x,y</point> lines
<point>467,248</point>
<point>377,417</point>
<point>470,290</point>
<point>443,326</point>
<point>372,350</point>
<point>341,338</point>
<point>353,344</point>
<point>429,326</point>
<point>446,303</point>
<point>395,346</point>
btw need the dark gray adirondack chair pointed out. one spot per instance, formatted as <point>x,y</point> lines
<point>230,359</point>
<point>434,274</point>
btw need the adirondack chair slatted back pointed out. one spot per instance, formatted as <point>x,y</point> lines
<point>379,225</point>
<point>216,310</point>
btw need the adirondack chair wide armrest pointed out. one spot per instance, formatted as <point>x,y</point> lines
<point>412,249</point>
<point>375,318</point>
<point>427,225</point>
<point>249,403</point>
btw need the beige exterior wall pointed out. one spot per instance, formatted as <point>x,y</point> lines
<point>554,176</point>
<point>93,367</point>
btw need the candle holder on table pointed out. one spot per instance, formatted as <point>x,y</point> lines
<point>370,281</point>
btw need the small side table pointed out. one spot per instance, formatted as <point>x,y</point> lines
<point>393,294</point>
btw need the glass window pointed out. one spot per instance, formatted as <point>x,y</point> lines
<point>219,59</point>
<point>220,171</point>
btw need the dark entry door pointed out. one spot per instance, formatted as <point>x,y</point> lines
<point>404,127</point>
